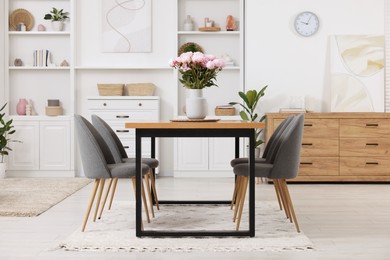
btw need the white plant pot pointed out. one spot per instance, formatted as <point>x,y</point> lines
<point>57,25</point>
<point>257,152</point>
<point>196,104</point>
<point>3,167</point>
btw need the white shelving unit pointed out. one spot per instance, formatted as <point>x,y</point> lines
<point>210,156</point>
<point>52,153</point>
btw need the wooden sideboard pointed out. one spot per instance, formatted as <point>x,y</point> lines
<point>342,147</point>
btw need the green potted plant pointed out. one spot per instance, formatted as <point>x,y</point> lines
<point>57,17</point>
<point>6,129</point>
<point>250,101</point>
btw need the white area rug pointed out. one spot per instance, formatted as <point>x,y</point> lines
<point>29,197</point>
<point>115,231</point>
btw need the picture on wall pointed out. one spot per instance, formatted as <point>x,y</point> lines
<point>127,26</point>
<point>357,73</point>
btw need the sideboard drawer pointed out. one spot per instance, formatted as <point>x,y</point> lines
<point>364,128</point>
<point>320,128</point>
<point>319,166</point>
<point>126,115</point>
<point>365,146</point>
<point>320,147</point>
<point>364,166</point>
<point>108,104</point>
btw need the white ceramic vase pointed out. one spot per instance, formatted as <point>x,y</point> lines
<point>196,104</point>
<point>57,25</point>
<point>3,167</point>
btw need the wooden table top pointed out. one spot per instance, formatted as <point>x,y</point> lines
<point>237,124</point>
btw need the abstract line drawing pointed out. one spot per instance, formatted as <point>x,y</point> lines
<point>357,73</point>
<point>127,26</point>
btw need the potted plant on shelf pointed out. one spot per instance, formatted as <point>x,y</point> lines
<point>6,129</point>
<point>250,101</point>
<point>198,71</point>
<point>57,17</point>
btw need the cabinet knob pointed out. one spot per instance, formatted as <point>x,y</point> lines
<point>307,144</point>
<point>122,116</point>
<point>140,104</point>
<point>126,147</point>
<point>104,104</point>
<point>372,163</point>
<point>307,163</point>
<point>307,124</point>
<point>122,131</point>
<point>372,144</point>
<point>372,125</point>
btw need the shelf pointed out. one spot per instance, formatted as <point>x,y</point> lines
<point>38,68</point>
<point>122,68</point>
<point>41,118</point>
<point>208,33</point>
<point>35,33</point>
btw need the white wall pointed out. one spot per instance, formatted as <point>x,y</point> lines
<point>2,57</point>
<point>297,66</point>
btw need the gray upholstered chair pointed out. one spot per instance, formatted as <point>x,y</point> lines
<point>269,149</point>
<point>282,164</point>
<point>98,163</point>
<point>119,153</point>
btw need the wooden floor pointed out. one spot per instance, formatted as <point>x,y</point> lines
<point>344,221</point>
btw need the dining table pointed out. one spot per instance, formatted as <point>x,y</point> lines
<point>195,129</point>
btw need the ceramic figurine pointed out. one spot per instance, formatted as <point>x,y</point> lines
<point>41,28</point>
<point>64,63</point>
<point>230,23</point>
<point>18,62</point>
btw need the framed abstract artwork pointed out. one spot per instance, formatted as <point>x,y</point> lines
<point>357,73</point>
<point>126,26</point>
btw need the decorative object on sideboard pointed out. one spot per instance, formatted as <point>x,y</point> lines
<point>197,71</point>
<point>190,46</point>
<point>140,89</point>
<point>53,107</point>
<point>209,26</point>
<point>18,62</point>
<point>110,89</point>
<point>57,17</point>
<point>225,110</point>
<point>41,28</point>
<point>19,16</point>
<point>188,24</point>
<point>230,23</point>
<point>64,63</point>
<point>208,22</point>
<point>21,107</point>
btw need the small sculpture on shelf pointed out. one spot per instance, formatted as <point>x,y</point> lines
<point>188,25</point>
<point>230,23</point>
<point>41,28</point>
<point>18,62</point>
<point>64,63</point>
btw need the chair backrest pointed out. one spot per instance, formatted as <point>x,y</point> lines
<point>270,147</point>
<point>95,154</point>
<point>112,140</point>
<point>286,161</point>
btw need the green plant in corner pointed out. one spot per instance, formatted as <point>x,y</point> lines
<point>56,15</point>
<point>250,101</point>
<point>6,129</point>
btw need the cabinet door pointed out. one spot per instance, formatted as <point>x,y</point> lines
<point>25,154</point>
<point>55,145</point>
<point>192,154</point>
<point>221,151</point>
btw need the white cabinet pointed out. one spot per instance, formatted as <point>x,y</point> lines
<point>116,111</point>
<point>211,156</point>
<point>44,147</point>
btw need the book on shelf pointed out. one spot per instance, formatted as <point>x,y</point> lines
<point>292,110</point>
<point>41,58</point>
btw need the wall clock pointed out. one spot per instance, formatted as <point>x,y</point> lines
<point>306,23</point>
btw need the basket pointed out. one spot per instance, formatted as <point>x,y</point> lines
<point>53,110</point>
<point>140,89</point>
<point>110,89</point>
<point>225,111</point>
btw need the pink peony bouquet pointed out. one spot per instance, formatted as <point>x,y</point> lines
<point>197,70</point>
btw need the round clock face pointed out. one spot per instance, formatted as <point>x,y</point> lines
<point>306,24</point>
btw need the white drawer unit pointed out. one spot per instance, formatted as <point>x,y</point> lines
<point>116,111</point>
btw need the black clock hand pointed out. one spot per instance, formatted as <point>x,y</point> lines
<point>309,20</point>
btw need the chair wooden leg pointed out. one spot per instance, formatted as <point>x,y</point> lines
<point>289,201</point>
<point>242,202</point>
<point>148,190</point>
<point>277,194</point>
<point>143,198</point>
<point>236,187</point>
<point>283,198</point>
<point>153,181</point>
<point>105,198</point>
<point>102,181</point>
<point>238,196</point>
<point>94,190</point>
<point>113,192</point>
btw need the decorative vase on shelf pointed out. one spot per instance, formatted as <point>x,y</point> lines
<point>188,25</point>
<point>196,104</point>
<point>21,107</point>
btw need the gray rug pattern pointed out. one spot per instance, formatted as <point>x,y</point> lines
<point>29,197</point>
<point>115,231</point>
